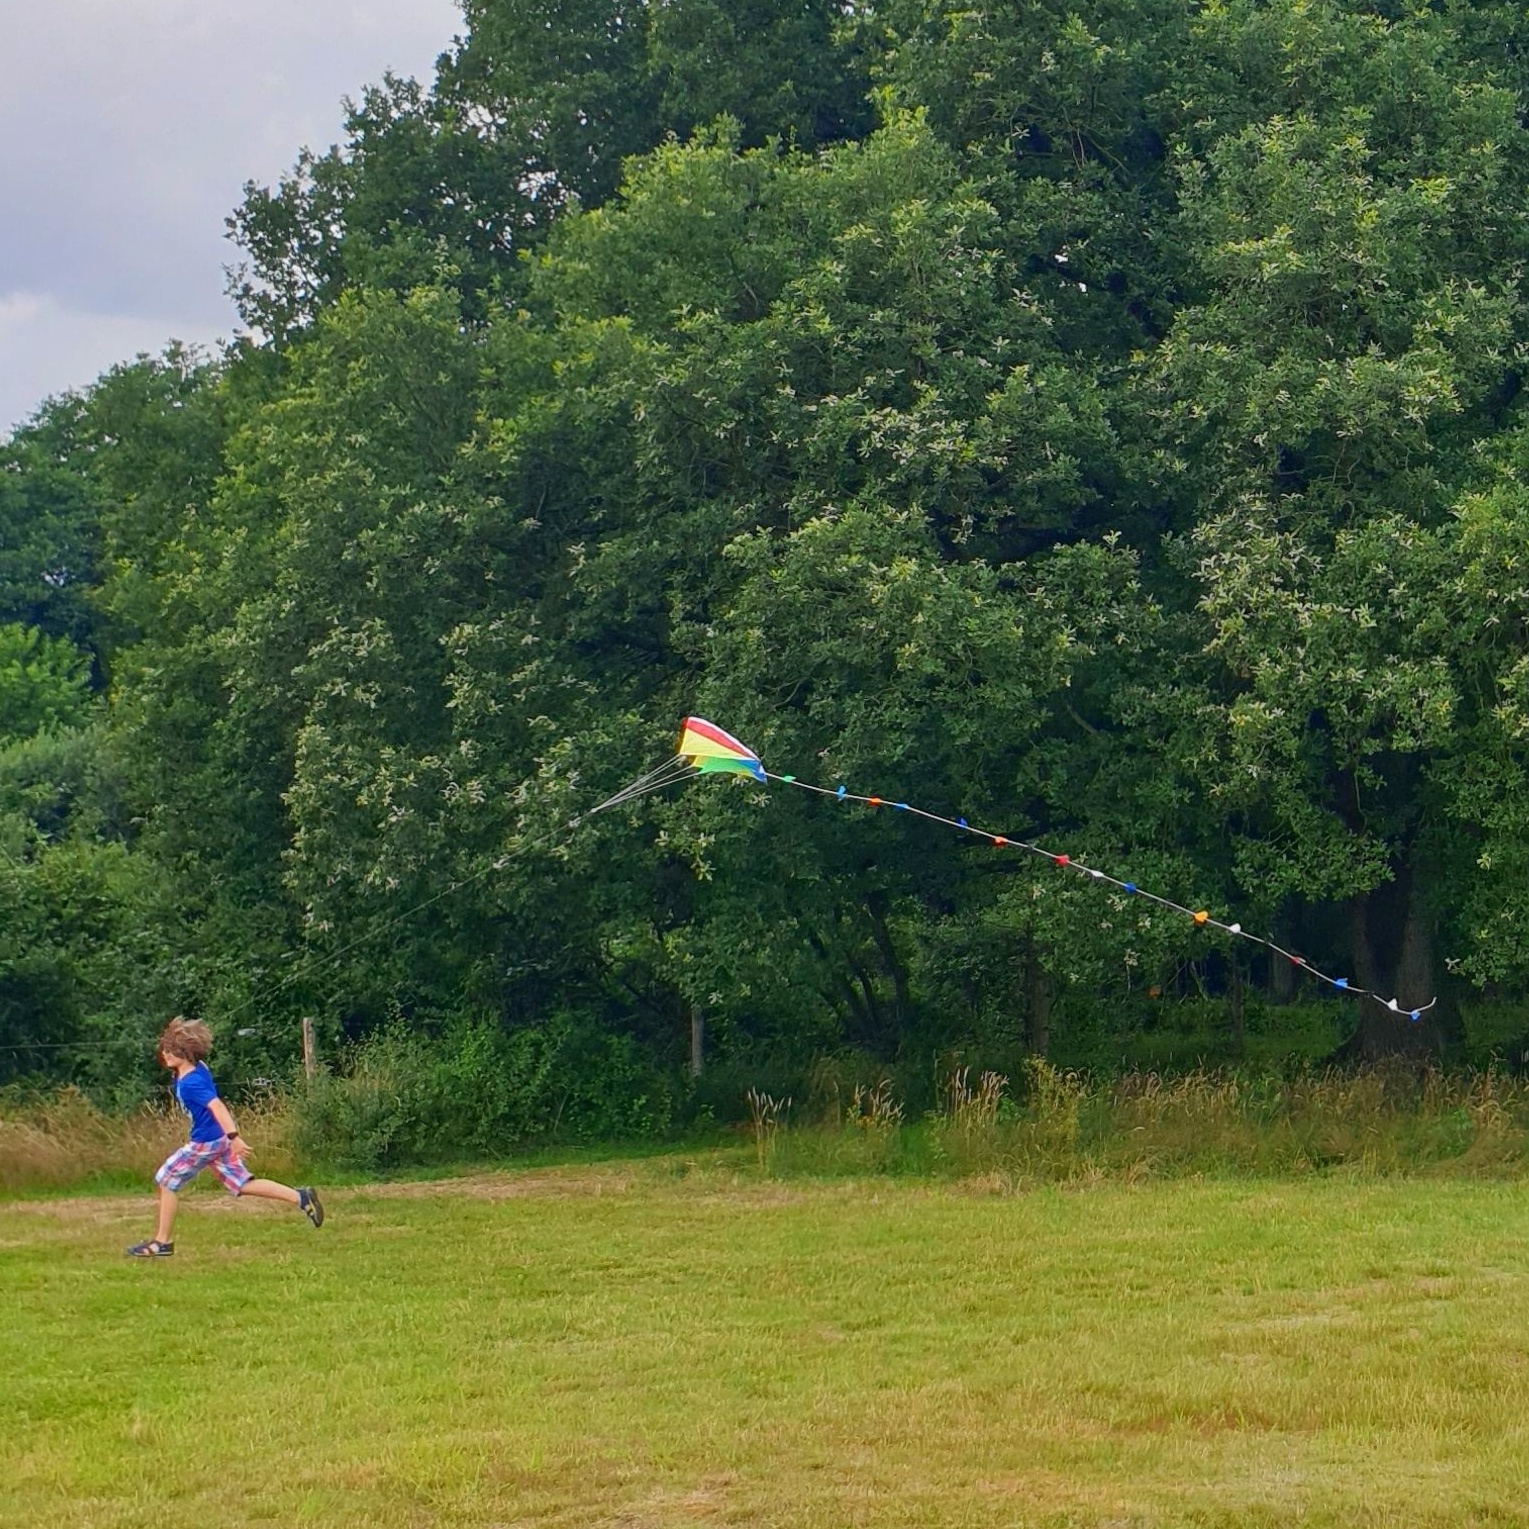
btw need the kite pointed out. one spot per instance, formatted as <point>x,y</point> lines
<point>704,749</point>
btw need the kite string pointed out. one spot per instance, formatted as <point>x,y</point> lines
<point>672,770</point>
<point>1200,917</point>
<point>316,961</point>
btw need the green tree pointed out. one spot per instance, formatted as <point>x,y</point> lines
<point>1101,421</point>
<point>49,528</point>
<point>44,682</point>
<point>537,106</point>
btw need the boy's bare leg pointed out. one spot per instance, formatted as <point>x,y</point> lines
<point>168,1202</point>
<point>306,1200</point>
<point>269,1189</point>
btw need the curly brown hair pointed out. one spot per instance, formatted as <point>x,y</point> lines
<point>188,1038</point>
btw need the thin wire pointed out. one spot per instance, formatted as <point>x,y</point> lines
<point>371,934</point>
<point>672,770</point>
<point>125,1040</point>
<point>667,774</point>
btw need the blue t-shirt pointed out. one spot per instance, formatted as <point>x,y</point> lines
<point>196,1091</point>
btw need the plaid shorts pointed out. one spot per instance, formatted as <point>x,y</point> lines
<point>186,1162</point>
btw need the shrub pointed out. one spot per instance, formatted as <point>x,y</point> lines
<point>1495,1032</point>
<point>477,1090</point>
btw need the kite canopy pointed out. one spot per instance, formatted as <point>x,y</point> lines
<point>714,752</point>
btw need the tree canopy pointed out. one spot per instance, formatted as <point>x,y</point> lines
<point>1105,421</point>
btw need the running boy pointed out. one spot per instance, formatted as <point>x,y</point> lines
<point>215,1141</point>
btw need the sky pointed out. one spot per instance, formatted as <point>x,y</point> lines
<point>127,131</point>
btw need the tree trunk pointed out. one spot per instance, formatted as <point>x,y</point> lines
<point>1239,1023</point>
<point>1281,973</point>
<point>875,1036</point>
<point>859,1022</point>
<point>1037,1001</point>
<point>1416,974</point>
<point>1361,914</point>
<point>876,909</point>
<point>1391,945</point>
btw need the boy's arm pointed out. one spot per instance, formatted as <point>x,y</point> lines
<point>220,1113</point>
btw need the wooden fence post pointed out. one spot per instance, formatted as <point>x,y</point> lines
<point>310,1060</point>
<point>697,1040</point>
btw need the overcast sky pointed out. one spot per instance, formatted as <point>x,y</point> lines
<point>127,130</point>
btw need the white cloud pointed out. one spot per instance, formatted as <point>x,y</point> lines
<point>127,130</point>
<point>46,348</point>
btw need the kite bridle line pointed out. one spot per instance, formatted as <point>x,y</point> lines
<point>667,774</point>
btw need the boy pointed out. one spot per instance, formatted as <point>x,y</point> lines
<point>215,1141</point>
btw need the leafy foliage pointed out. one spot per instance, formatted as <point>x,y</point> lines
<point>1105,423</point>
<point>43,683</point>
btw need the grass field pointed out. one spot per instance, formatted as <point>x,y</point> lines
<point>677,1342</point>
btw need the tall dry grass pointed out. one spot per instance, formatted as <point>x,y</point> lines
<point>1055,1126</point>
<point>1047,1125</point>
<point>66,1141</point>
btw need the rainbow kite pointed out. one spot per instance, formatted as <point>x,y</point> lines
<point>714,752</point>
<point>704,749</point>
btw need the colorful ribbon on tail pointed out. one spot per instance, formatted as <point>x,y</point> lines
<point>704,749</point>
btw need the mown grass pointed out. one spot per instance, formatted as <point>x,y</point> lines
<point>683,1342</point>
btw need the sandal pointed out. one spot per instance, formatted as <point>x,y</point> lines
<point>153,1248</point>
<point>312,1207</point>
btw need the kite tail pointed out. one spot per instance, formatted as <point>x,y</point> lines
<point>1201,918</point>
